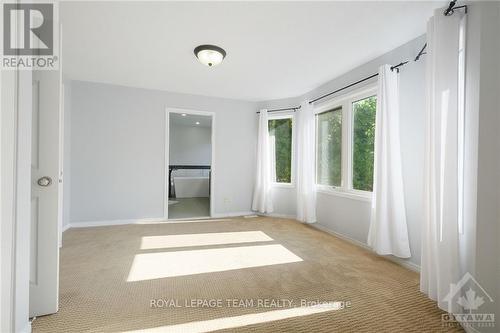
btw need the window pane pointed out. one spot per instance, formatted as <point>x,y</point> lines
<point>280,133</point>
<point>363,143</point>
<point>329,150</point>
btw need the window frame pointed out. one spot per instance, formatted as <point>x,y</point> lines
<point>345,101</point>
<point>286,115</point>
<point>327,108</point>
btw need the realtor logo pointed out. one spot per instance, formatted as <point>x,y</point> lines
<point>37,23</point>
<point>470,296</point>
<point>30,36</point>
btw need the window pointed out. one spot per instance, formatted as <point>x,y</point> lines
<point>329,151</point>
<point>281,143</point>
<point>345,141</point>
<point>363,140</point>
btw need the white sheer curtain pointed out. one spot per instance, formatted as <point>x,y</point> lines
<point>262,196</point>
<point>443,201</point>
<point>388,232</point>
<point>306,191</point>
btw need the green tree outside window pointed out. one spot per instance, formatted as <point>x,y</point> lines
<point>364,112</point>
<point>329,150</point>
<point>281,130</point>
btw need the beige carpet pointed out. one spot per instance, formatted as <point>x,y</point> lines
<point>96,296</point>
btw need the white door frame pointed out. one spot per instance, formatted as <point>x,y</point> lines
<point>15,195</point>
<point>168,111</point>
<point>60,182</point>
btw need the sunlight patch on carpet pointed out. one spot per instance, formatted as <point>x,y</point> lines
<point>147,266</point>
<point>243,320</point>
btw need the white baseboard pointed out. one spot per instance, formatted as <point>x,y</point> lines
<point>405,263</point>
<point>26,328</point>
<point>87,224</point>
<point>66,227</point>
<point>232,214</point>
<point>281,216</point>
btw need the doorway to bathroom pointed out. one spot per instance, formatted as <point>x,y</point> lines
<point>189,159</point>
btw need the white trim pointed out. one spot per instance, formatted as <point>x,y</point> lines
<point>60,181</point>
<point>232,214</point>
<point>283,185</point>
<point>2,270</point>
<point>282,115</point>
<point>281,216</point>
<point>169,110</point>
<point>15,151</point>
<point>66,227</point>
<point>86,224</point>
<point>345,102</point>
<point>331,106</point>
<point>166,150</point>
<point>405,263</point>
<point>26,328</point>
<point>372,91</point>
<point>322,189</point>
<point>183,219</point>
<point>341,99</point>
<point>8,203</point>
<point>104,223</point>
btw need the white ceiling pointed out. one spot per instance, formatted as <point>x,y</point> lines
<point>274,49</point>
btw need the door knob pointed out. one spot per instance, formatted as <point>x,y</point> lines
<point>44,181</point>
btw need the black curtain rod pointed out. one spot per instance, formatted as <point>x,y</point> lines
<point>449,11</point>
<point>343,88</point>
<point>395,67</point>
<point>451,8</point>
<point>421,53</point>
<point>295,108</point>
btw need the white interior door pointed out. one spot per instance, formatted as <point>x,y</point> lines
<point>46,175</point>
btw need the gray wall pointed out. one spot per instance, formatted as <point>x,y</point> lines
<point>190,145</point>
<point>117,151</point>
<point>351,217</point>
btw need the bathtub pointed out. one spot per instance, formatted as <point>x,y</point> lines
<point>191,187</point>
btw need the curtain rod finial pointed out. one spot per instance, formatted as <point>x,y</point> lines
<point>449,10</point>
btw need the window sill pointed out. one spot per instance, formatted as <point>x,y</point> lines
<point>283,185</point>
<point>367,197</point>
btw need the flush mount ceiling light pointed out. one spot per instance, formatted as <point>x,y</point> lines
<point>209,55</point>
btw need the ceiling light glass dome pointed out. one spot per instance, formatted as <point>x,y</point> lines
<point>210,55</point>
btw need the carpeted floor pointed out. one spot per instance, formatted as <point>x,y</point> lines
<point>249,275</point>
